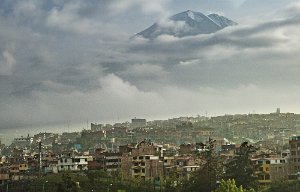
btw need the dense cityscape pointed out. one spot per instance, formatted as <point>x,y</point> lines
<point>159,155</point>
<point>103,96</point>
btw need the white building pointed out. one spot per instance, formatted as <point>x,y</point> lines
<point>76,163</point>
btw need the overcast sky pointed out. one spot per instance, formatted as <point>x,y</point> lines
<point>72,61</point>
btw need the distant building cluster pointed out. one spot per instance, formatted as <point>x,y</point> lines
<point>158,149</point>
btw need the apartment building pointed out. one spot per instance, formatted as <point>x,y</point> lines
<point>271,169</point>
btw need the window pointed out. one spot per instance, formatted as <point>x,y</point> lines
<point>261,169</point>
<point>134,158</point>
<point>113,160</point>
<point>143,163</point>
<point>143,170</point>
<point>259,162</point>
<point>147,157</point>
<point>141,157</point>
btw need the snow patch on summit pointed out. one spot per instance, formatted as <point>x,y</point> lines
<point>188,23</point>
<point>191,14</point>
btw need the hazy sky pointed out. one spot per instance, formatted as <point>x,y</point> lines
<point>72,61</point>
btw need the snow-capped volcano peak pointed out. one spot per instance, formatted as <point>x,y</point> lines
<point>188,23</point>
<point>188,15</point>
<point>221,20</point>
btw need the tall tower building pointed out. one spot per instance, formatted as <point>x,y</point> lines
<point>278,110</point>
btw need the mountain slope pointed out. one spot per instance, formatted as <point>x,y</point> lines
<point>187,23</point>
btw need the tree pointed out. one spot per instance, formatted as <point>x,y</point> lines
<point>284,186</point>
<point>199,181</point>
<point>230,186</point>
<point>170,181</point>
<point>67,184</point>
<point>205,179</point>
<point>213,167</point>
<point>241,168</point>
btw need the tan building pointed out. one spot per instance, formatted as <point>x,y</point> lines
<point>4,174</point>
<point>145,148</point>
<point>186,149</point>
<point>294,160</point>
<point>271,169</point>
<point>147,167</point>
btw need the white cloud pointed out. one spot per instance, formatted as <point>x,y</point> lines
<point>144,6</point>
<point>68,19</point>
<point>292,9</point>
<point>7,63</point>
<point>144,71</point>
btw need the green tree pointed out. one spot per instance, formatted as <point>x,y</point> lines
<point>198,181</point>
<point>205,179</point>
<point>284,186</point>
<point>230,186</point>
<point>241,168</point>
<point>170,181</point>
<point>67,184</point>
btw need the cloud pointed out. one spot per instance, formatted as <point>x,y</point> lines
<point>144,6</point>
<point>292,9</point>
<point>82,18</point>
<point>7,63</point>
<point>68,18</point>
<point>73,62</point>
<point>256,11</point>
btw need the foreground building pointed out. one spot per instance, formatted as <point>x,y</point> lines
<point>271,169</point>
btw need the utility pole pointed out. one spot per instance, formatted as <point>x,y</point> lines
<point>40,158</point>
